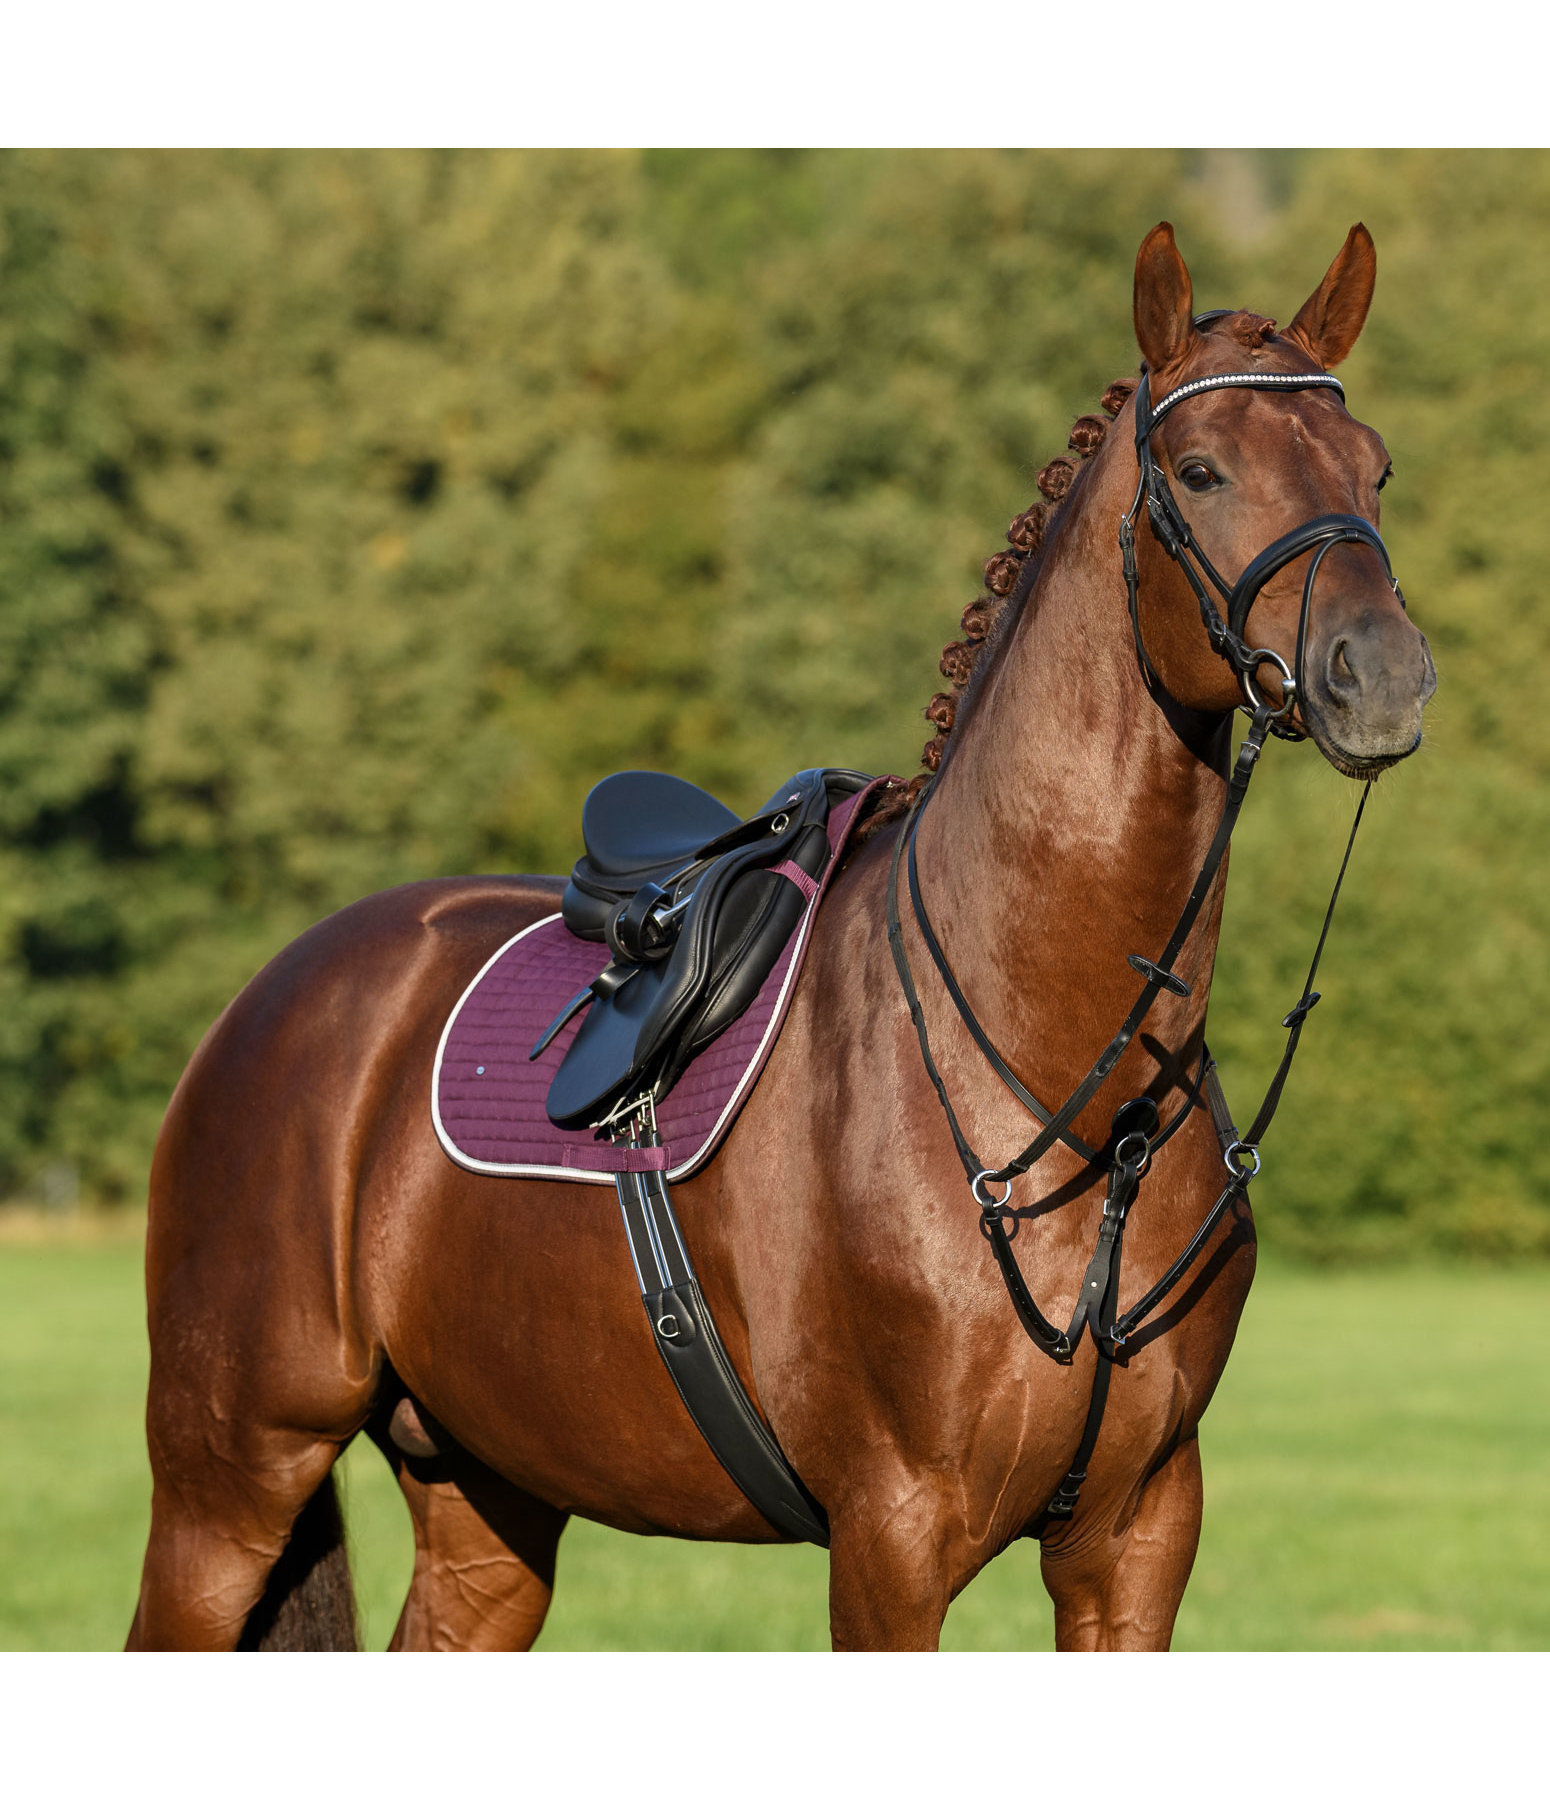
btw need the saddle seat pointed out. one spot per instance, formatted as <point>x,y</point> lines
<point>639,825</point>
<point>696,906</point>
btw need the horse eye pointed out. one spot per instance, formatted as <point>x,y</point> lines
<point>1197,476</point>
<point>1383,479</point>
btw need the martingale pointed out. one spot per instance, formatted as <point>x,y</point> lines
<point>1137,1132</point>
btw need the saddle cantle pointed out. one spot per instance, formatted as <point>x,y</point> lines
<point>696,906</point>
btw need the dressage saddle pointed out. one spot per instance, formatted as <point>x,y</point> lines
<point>696,906</point>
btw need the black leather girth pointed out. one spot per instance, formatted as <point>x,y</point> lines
<point>696,1358</point>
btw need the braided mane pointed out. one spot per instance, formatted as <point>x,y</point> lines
<point>1008,577</point>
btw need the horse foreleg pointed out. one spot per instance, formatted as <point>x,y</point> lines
<point>889,1575</point>
<point>1121,1590</point>
<point>484,1555</point>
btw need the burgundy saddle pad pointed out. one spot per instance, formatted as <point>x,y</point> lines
<point>487,1099</point>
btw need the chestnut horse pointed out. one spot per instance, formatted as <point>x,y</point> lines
<point>317,1266</point>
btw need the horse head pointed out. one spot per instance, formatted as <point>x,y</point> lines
<point>1259,485</point>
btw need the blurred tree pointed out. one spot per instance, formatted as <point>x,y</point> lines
<point>361,510</point>
<point>1418,1124</point>
<point>304,457</point>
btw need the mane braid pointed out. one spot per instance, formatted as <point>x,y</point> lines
<point>1008,578</point>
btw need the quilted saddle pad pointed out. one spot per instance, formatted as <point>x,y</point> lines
<point>487,1098</point>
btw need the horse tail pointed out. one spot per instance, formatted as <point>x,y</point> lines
<point>309,1600</point>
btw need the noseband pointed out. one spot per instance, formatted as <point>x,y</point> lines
<point>1172,531</point>
<point>1137,1132</point>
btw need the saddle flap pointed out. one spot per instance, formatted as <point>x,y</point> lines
<point>644,1032</point>
<point>607,1043</point>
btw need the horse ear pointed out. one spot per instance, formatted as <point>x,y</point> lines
<point>1330,320</point>
<point>1164,300</point>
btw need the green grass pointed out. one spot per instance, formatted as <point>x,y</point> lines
<point>1377,1477</point>
<point>75,1491</point>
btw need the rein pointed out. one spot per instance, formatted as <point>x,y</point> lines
<point>1137,1133</point>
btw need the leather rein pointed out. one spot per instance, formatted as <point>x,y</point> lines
<point>1137,1133</point>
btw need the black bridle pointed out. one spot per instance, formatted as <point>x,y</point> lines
<point>1172,531</point>
<point>1137,1132</point>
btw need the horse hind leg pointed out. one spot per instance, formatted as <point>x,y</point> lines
<point>251,1400</point>
<point>247,1552</point>
<point>308,1601</point>
<point>484,1551</point>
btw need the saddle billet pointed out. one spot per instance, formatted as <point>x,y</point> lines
<point>695,921</point>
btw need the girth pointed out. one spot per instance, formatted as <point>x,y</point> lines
<point>691,1349</point>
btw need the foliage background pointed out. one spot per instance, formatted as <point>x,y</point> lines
<point>359,510</point>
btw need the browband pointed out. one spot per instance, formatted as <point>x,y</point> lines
<point>1148,417</point>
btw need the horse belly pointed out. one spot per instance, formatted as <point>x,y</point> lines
<point>510,1309</point>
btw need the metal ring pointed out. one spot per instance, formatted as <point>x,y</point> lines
<point>1139,1165</point>
<point>1230,1154</point>
<point>1251,693</point>
<point>988,1202</point>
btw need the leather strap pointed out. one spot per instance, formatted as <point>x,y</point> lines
<point>1157,974</point>
<point>1113,1336</point>
<point>1234,1146</point>
<point>695,1357</point>
<point>991,1054</point>
<point>1062,1503</point>
<point>1172,531</point>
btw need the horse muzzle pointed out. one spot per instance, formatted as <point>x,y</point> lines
<point>1365,688</point>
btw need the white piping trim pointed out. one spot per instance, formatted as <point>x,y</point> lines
<point>460,1157</point>
<point>629,1238</point>
<point>683,1248</point>
<point>654,1237</point>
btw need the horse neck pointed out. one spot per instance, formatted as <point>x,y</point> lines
<point>1069,822</point>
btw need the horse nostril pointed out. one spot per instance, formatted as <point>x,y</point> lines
<point>1343,681</point>
<point>1428,673</point>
